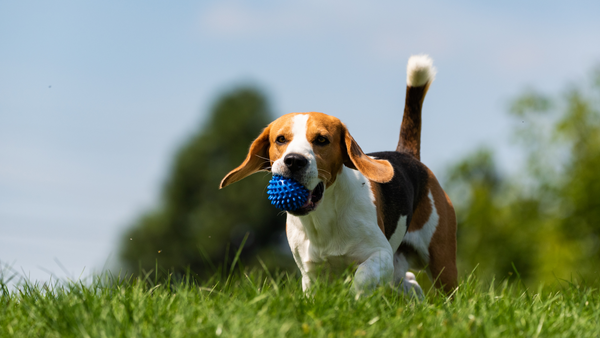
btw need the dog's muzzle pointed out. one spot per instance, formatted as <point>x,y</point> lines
<point>297,167</point>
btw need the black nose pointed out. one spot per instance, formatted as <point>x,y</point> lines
<point>295,162</point>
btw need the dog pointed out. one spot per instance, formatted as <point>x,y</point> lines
<point>383,213</point>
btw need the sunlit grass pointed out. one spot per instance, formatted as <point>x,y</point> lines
<point>254,303</point>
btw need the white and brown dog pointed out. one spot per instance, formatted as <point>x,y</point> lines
<point>383,212</point>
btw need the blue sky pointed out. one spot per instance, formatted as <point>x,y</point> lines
<point>95,97</point>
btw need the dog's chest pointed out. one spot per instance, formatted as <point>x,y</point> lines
<point>334,256</point>
<point>322,244</point>
<point>319,261</point>
<point>342,233</point>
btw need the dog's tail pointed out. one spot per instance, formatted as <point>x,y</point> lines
<point>420,74</point>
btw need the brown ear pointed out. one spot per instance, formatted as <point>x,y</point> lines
<point>256,160</point>
<point>380,171</point>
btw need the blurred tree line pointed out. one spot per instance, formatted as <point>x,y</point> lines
<point>542,221</point>
<point>545,218</point>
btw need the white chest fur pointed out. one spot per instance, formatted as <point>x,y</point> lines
<point>343,231</point>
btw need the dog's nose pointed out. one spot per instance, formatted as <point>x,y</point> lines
<point>295,162</point>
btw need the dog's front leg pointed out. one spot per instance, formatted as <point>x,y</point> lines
<point>306,282</point>
<point>378,269</point>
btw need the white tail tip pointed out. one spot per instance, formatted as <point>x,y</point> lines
<point>419,70</point>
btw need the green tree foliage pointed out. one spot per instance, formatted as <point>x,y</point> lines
<point>197,225</point>
<point>544,219</point>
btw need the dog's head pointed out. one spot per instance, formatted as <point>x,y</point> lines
<point>311,148</point>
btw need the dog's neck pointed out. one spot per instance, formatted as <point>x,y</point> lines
<point>348,199</point>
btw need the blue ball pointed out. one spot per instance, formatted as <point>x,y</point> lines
<point>286,193</point>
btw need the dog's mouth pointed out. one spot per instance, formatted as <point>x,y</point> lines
<point>314,197</point>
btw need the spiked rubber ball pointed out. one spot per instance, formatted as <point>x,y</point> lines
<point>286,194</point>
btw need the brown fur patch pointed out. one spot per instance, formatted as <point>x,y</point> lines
<point>380,171</point>
<point>329,157</point>
<point>410,129</point>
<point>280,127</point>
<point>421,214</point>
<point>378,206</point>
<point>256,160</point>
<point>442,248</point>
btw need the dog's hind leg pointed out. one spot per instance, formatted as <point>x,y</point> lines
<point>442,250</point>
<point>404,279</point>
<point>442,266</point>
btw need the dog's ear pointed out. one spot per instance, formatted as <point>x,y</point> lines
<point>256,160</point>
<point>380,171</point>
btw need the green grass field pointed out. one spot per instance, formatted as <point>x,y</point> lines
<point>257,304</point>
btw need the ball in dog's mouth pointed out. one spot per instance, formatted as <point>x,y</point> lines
<point>314,197</point>
<point>287,194</point>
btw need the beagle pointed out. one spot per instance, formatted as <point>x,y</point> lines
<point>383,212</point>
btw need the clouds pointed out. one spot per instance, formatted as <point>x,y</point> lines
<point>387,31</point>
<point>366,29</point>
<point>239,20</point>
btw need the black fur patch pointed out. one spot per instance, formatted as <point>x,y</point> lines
<point>402,194</point>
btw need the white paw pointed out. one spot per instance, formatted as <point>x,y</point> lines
<point>410,286</point>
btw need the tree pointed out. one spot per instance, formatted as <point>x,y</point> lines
<point>544,220</point>
<point>197,225</point>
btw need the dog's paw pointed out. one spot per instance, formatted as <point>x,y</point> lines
<point>410,287</point>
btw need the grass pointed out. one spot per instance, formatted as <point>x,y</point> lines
<point>256,304</point>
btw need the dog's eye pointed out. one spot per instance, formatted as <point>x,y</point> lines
<point>280,139</point>
<point>321,140</point>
